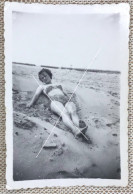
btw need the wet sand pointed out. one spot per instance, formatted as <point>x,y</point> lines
<point>97,100</point>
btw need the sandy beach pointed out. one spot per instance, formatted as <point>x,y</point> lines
<point>98,104</point>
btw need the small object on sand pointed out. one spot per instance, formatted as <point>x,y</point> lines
<point>63,144</point>
<point>58,152</point>
<point>51,159</point>
<point>50,145</point>
<point>109,124</point>
<point>47,120</point>
<point>55,135</point>
<point>114,134</point>
<point>16,133</point>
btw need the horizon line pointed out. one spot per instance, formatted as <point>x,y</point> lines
<point>70,68</point>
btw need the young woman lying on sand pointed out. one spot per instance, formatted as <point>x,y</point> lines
<point>60,103</point>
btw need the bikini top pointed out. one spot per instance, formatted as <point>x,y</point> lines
<point>50,88</point>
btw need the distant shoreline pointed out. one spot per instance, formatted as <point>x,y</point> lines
<point>77,69</point>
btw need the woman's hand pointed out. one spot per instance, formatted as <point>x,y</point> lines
<point>35,97</point>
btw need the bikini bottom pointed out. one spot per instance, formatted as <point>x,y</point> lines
<point>60,98</point>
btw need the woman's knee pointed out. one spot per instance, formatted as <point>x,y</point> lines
<point>71,108</point>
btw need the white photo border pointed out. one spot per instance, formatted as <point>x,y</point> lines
<point>123,9</point>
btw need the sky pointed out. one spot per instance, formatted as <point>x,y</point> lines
<point>68,40</point>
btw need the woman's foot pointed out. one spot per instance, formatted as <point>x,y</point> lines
<point>81,129</point>
<point>82,126</point>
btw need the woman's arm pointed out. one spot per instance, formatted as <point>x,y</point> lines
<point>36,96</point>
<point>62,88</point>
<point>72,91</point>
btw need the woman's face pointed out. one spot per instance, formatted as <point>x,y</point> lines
<point>45,78</point>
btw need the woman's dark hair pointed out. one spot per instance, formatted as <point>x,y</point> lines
<point>47,71</point>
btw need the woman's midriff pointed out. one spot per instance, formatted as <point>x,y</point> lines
<point>58,95</point>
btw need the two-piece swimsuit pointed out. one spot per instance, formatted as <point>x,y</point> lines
<point>57,97</point>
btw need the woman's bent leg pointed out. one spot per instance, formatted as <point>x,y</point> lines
<point>71,108</point>
<point>59,109</point>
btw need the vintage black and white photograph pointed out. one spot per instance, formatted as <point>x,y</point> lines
<point>68,94</point>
